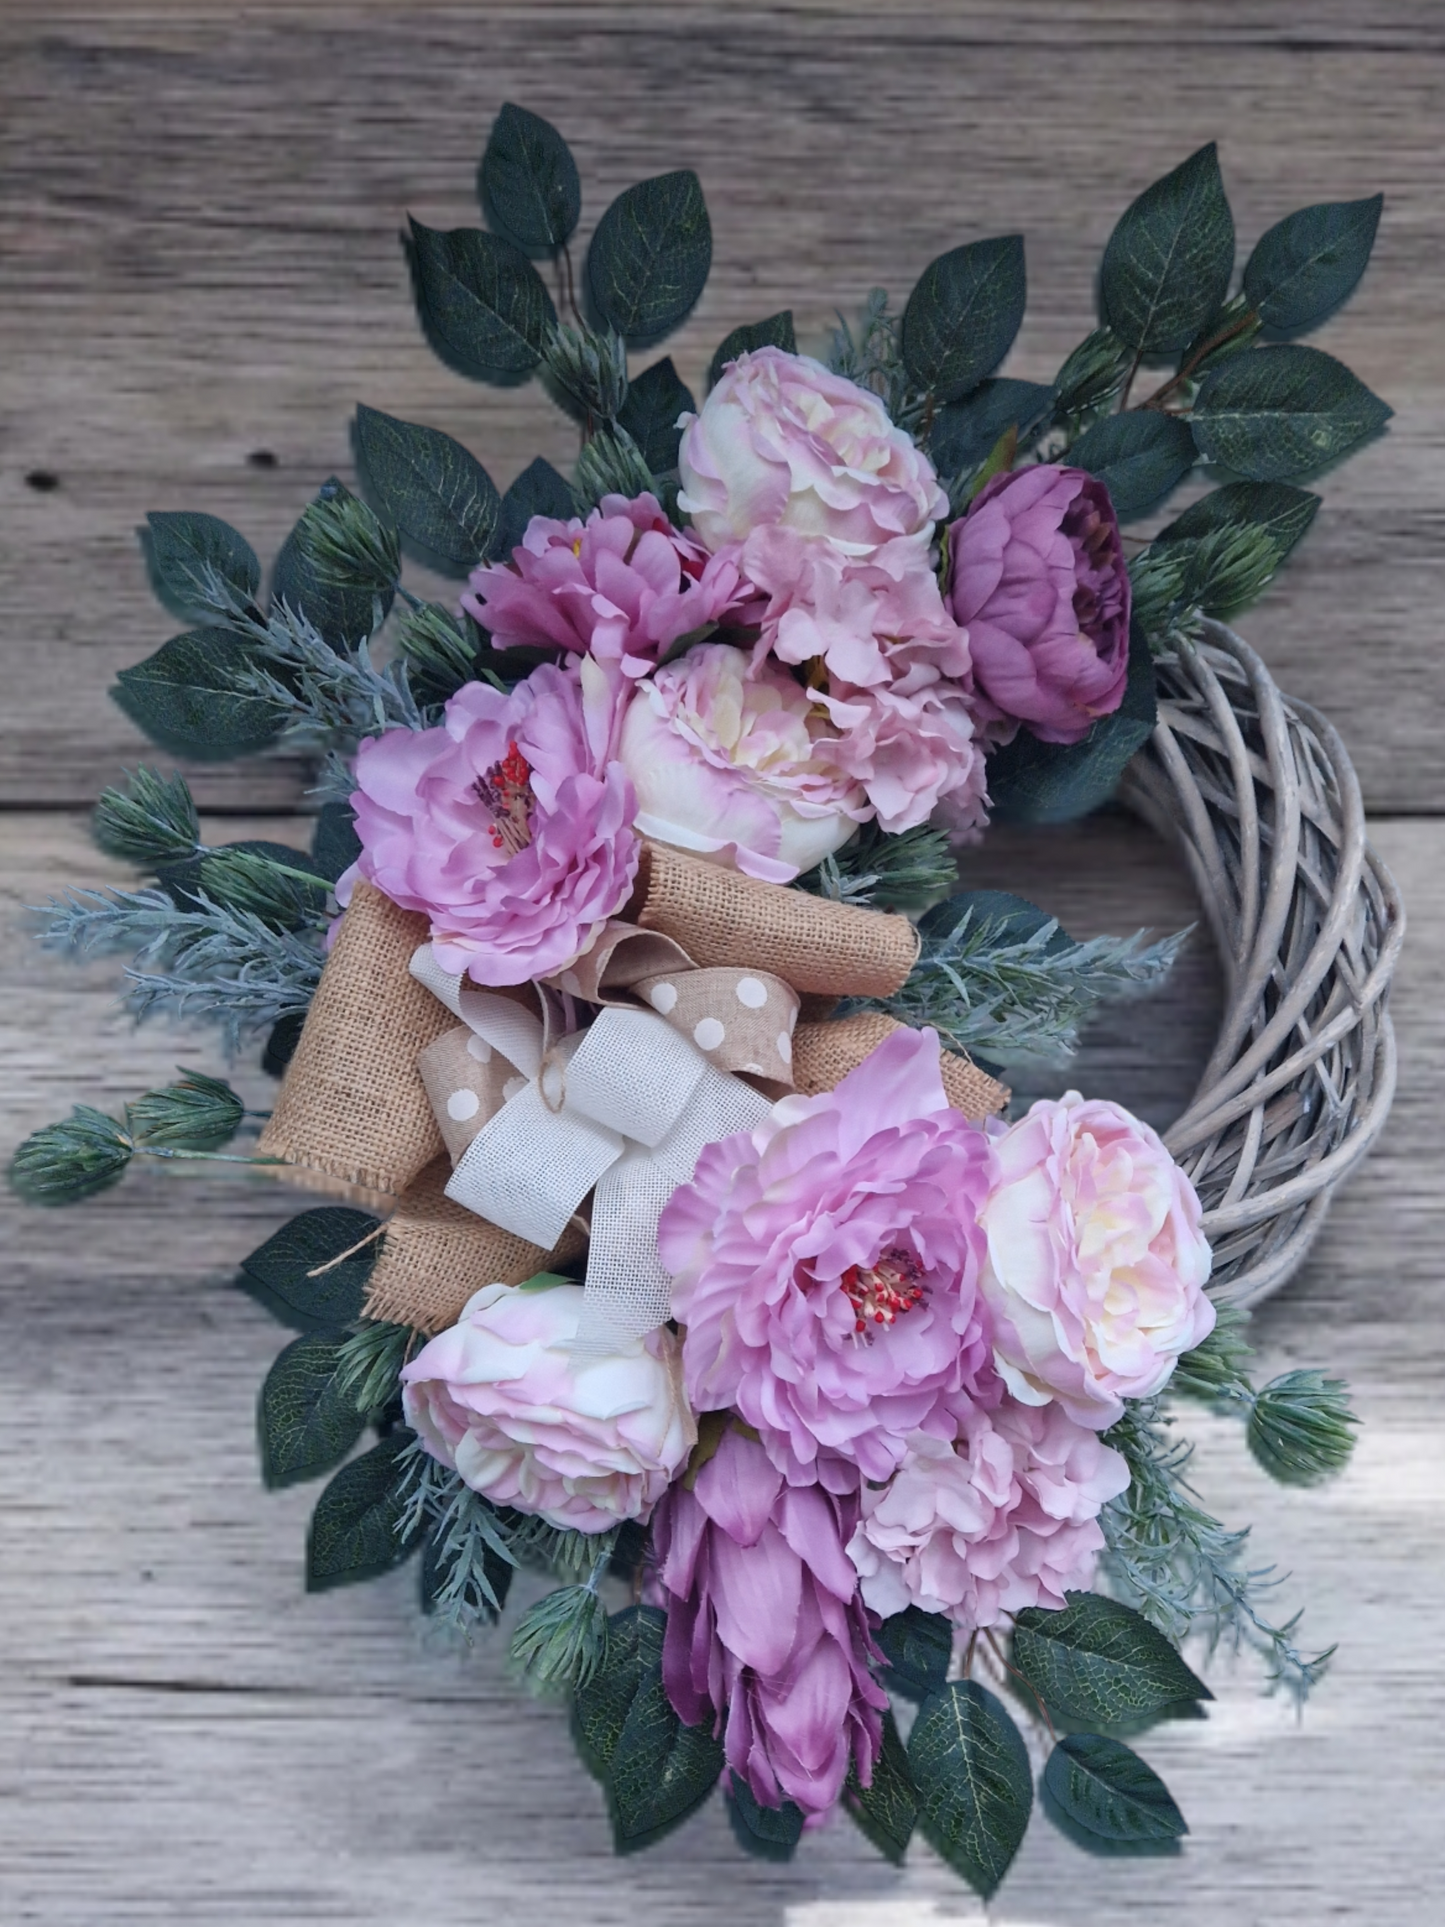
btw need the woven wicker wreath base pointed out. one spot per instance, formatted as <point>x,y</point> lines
<point>1258,791</point>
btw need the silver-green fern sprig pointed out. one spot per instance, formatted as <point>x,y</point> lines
<point>470,1544</point>
<point>368,1365</point>
<point>1024,997</point>
<point>325,693</point>
<point>1173,1560</point>
<point>225,965</point>
<point>873,358</point>
<point>907,871</point>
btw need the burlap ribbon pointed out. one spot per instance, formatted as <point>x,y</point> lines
<point>354,1109</point>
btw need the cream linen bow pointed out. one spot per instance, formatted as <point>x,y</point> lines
<point>622,1109</point>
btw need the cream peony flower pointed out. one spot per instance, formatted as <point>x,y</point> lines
<point>583,1442</point>
<point>782,442</point>
<point>1096,1263</point>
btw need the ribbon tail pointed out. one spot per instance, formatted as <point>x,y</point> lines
<point>629,1291</point>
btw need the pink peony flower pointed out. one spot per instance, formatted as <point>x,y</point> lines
<point>623,586</point>
<point>826,1265</point>
<point>1038,576</point>
<point>911,748</point>
<point>766,1634</point>
<point>581,1442</point>
<point>509,826</point>
<point>782,442</point>
<point>870,620</point>
<point>1006,1517</point>
<point>1096,1263</point>
<point>899,686</point>
<point>725,762</point>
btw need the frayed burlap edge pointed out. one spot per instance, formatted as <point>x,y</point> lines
<point>435,1254</point>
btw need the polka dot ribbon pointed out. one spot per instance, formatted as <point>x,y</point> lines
<point>535,1121</point>
<point>743,1020</point>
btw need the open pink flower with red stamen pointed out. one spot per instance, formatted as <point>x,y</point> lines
<point>826,1266</point>
<point>509,826</point>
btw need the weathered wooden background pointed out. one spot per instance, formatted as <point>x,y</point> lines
<point>199,277</point>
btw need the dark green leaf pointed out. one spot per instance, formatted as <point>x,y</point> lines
<point>654,401</point>
<point>1306,264</point>
<point>918,1647</point>
<point>437,494</point>
<point>1109,1791</point>
<point>887,1809</point>
<point>1167,264</point>
<point>184,697</point>
<point>966,431</point>
<point>182,549</point>
<point>962,316</point>
<point>649,258</point>
<point>538,490</point>
<point>484,308</point>
<point>655,1769</point>
<point>528,181</point>
<point>305,1426</point>
<point>278,1274</point>
<point>770,1833</point>
<point>281,1044</point>
<point>775,332</point>
<point>1097,1660</point>
<point>338,615</point>
<point>975,1789</point>
<point>1034,782</point>
<point>355,1530</point>
<point>1277,413</point>
<point>1279,512</point>
<point>1138,457</point>
<point>335,846</point>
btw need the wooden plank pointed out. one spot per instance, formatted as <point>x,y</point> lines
<point>186,1738</point>
<point>198,265</point>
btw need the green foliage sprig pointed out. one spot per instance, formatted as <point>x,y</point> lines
<point>1185,1571</point>
<point>997,976</point>
<point>906,871</point>
<point>89,1151</point>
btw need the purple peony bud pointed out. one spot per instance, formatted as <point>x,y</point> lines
<point>767,1636</point>
<point>1039,581</point>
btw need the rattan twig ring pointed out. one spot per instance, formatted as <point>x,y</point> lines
<point>1259,792</point>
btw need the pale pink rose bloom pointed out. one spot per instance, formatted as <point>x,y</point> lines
<point>1006,1517</point>
<point>1096,1262</point>
<point>783,442</point>
<point>726,762</point>
<point>582,1442</point>
<point>622,586</point>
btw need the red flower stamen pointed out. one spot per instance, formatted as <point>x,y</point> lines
<point>883,1292</point>
<point>506,789</point>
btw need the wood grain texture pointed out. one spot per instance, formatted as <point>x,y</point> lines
<point>186,1737</point>
<point>199,208</point>
<point>198,211</point>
